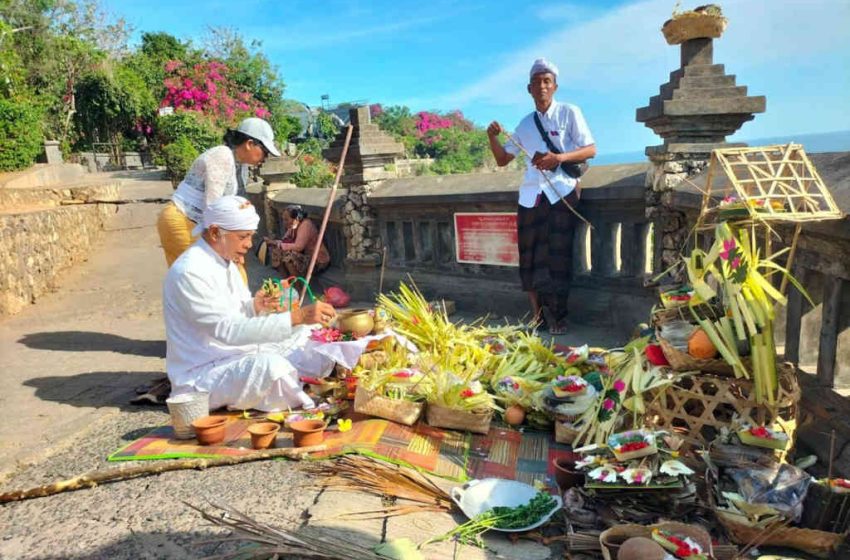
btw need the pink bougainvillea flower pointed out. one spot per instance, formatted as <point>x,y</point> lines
<point>608,404</point>
<point>620,385</point>
<point>735,263</point>
<point>728,247</point>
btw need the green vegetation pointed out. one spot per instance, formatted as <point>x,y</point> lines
<point>454,143</point>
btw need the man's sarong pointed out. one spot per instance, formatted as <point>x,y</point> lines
<point>545,240</point>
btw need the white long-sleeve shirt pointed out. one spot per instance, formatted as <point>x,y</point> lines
<point>568,131</point>
<point>209,315</point>
<point>213,174</point>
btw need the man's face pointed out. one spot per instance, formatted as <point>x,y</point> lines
<point>231,245</point>
<point>542,87</point>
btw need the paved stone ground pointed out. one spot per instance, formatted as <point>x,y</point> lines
<point>69,365</point>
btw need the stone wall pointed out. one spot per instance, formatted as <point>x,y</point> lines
<point>37,246</point>
<point>363,240</point>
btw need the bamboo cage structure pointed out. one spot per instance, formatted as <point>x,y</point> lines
<point>770,184</point>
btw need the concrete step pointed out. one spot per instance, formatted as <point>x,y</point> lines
<point>710,93</point>
<point>707,81</point>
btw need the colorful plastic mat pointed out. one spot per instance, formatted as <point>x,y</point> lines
<point>502,453</point>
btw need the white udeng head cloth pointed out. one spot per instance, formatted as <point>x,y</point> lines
<point>543,65</point>
<point>233,213</point>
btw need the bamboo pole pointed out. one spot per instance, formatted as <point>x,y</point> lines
<point>790,261</point>
<point>326,217</point>
<point>94,478</point>
<point>516,142</point>
<point>383,268</point>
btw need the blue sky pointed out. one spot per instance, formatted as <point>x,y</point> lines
<point>474,55</point>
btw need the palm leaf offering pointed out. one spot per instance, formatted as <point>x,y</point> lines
<point>734,272</point>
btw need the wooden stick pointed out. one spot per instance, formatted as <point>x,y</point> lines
<point>791,254</point>
<point>831,454</point>
<point>383,268</point>
<point>327,215</point>
<point>513,139</point>
<point>92,479</point>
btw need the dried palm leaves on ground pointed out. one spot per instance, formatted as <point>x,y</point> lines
<point>363,474</point>
<point>273,543</point>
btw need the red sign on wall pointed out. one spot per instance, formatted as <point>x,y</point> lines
<point>486,238</point>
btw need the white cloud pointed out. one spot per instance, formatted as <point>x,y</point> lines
<point>624,49</point>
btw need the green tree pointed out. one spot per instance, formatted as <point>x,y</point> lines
<point>326,127</point>
<point>111,103</point>
<point>20,134</point>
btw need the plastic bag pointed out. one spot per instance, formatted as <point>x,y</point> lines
<point>337,297</point>
<point>782,487</point>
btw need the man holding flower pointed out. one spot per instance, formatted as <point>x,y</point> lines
<point>223,340</point>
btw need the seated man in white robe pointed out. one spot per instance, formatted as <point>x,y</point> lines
<point>221,339</point>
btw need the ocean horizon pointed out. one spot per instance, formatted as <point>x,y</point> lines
<point>838,141</point>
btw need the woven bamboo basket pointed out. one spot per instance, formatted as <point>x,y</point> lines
<point>470,421</point>
<point>682,361</point>
<point>816,543</point>
<point>565,431</point>
<point>398,410</point>
<point>692,25</point>
<point>611,539</point>
<point>700,405</point>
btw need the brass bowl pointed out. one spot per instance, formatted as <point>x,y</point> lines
<point>358,322</point>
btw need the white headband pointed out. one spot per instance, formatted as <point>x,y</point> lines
<point>543,65</point>
<point>233,213</point>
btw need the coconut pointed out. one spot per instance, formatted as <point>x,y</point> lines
<point>641,548</point>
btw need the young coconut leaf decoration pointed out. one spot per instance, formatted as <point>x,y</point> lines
<point>735,266</point>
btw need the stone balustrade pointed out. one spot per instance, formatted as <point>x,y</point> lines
<point>414,218</point>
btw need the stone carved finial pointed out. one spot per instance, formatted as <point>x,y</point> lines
<point>693,113</point>
<point>701,105</point>
<point>371,154</point>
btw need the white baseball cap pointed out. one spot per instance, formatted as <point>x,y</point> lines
<point>542,65</point>
<point>261,131</point>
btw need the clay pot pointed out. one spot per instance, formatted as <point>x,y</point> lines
<point>263,434</point>
<point>308,432</point>
<point>565,474</point>
<point>358,322</point>
<point>514,415</point>
<point>209,430</point>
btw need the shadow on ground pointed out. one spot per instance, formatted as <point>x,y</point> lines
<point>81,341</point>
<point>94,389</point>
<point>173,545</point>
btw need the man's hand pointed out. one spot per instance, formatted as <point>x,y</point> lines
<point>264,303</point>
<point>547,161</point>
<point>319,312</point>
<point>494,130</point>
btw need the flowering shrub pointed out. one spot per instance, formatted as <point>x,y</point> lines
<point>207,88</point>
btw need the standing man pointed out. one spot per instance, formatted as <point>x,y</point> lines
<point>557,136</point>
